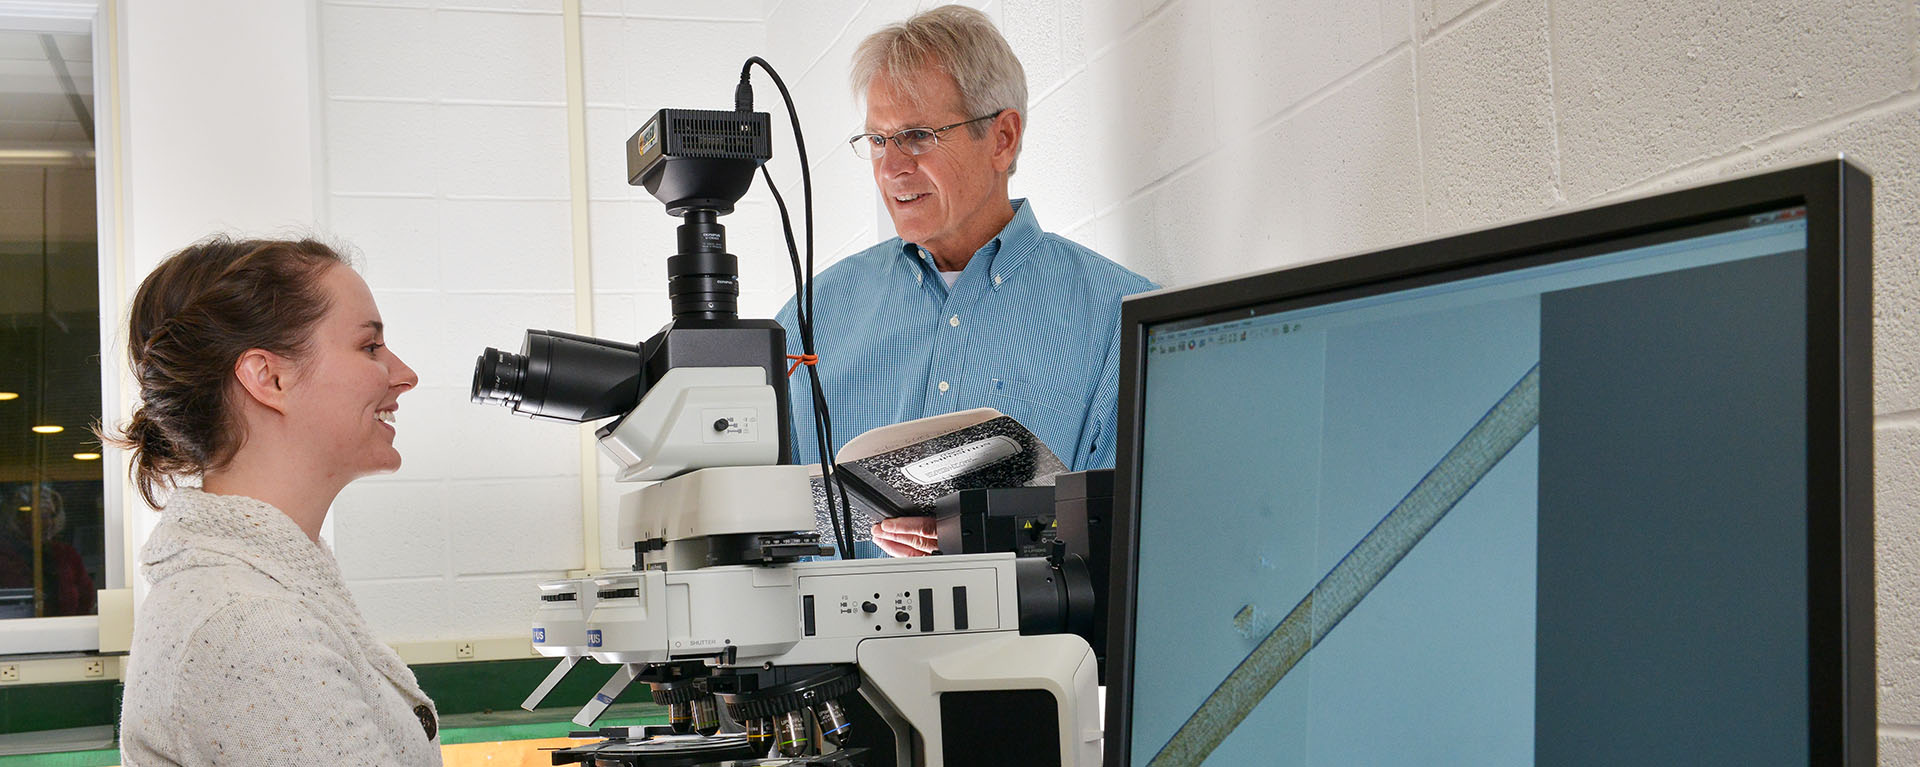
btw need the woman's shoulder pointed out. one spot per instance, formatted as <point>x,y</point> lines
<point>214,599</point>
<point>216,616</point>
<point>209,580</point>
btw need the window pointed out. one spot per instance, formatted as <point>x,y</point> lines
<point>55,539</point>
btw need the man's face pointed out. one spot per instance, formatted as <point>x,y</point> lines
<point>953,198</point>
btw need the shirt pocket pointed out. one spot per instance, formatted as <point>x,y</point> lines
<point>1052,416</point>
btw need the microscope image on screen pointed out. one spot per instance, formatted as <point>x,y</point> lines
<point>1404,561</point>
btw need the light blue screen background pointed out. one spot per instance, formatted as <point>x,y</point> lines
<point>1266,459</point>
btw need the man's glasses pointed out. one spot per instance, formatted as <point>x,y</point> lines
<point>915,141</point>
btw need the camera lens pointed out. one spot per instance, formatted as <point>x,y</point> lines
<point>497,377</point>
<point>702,294</point>
<point>703,280</point>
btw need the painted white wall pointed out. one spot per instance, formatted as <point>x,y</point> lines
<point>446,167</point>
<point>220,136</point>
<point>1188,139</point>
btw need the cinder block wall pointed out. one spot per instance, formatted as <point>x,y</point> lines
<point>1188,139</point>
<point>446,167</point>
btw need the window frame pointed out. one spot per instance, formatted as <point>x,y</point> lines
<point>81,633</point>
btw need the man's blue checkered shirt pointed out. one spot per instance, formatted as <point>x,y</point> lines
<point>1031,328</point>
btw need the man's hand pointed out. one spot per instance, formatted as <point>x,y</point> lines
<point>907,536</point>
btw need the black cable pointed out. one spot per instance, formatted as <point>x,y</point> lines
<point>803,317</point>
<point>803,302</point>
<point>805,322</point>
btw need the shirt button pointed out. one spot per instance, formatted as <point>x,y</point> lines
<point>943,387</point>
<point>427,722</point>
<point>996,279</point>
<point>953,321</point>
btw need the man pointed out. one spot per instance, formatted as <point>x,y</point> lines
<point>973,305</point>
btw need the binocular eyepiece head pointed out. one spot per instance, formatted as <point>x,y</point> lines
<point>601,378</point>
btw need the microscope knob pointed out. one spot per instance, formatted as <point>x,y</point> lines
<point>902,616</point>
<point>869,608</point>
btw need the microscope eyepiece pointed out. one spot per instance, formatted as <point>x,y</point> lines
<point>560,377</point>
<point>497,376</point>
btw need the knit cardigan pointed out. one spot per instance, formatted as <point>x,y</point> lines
<point>249,651</point>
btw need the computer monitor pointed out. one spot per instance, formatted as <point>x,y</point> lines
<point>1593,489</point>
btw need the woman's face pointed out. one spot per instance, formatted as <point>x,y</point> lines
<point>347,386</point>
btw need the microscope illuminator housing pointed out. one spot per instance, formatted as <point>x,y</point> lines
<point>695,417</point>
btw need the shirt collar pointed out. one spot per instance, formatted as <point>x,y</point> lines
<point>1004,254</point>
<point>196,523</point>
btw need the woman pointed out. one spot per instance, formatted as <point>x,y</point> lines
<point>264,376</point>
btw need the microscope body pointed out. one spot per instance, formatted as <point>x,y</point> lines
<point>718,598</point>
<point>973,659</point>
<point>936,642</point>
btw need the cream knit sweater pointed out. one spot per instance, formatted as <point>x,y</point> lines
<point>249,651</point>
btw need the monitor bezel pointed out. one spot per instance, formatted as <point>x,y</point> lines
<point>1837,196</point>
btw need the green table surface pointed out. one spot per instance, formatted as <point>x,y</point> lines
<point>70,748</point>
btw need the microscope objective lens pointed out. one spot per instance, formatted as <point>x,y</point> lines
<point>760,734</point>
<point>834,727</point>
<point>790,734</point>
<point>706,715</point>
<point>680,717</point>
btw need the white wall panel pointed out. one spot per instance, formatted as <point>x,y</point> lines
<point>381,147</point>
<point>1897,568</point>
<point>1652,86</point>
<point>395,239</point>
<point>504,527</point>
<point>1486,118</point>
<point>525,243</point>
<point>392,529</point>
<point>1269,56</point>
<point>1154,91</point>
<point>407,64</point>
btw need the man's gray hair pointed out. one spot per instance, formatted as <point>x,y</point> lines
<point>958,40</point>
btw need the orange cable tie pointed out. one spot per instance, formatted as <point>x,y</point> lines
<point>801,359</point>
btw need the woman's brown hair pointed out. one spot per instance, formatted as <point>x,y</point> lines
<point>192,318</point>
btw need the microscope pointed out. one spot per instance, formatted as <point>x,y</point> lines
<point>762,655</point>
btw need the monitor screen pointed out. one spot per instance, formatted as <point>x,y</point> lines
<point>1547,508</point>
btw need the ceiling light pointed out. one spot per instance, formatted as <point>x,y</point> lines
<point>49,429</point>
<point>46,156</point>
<point>7,395</point>
<point>86,456</point>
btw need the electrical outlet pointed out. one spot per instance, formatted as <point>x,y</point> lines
<point>95,668</point>
<point>463,650</point>
<point>9,673</point>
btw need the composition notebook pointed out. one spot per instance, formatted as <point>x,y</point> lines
<point>902,469</point>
